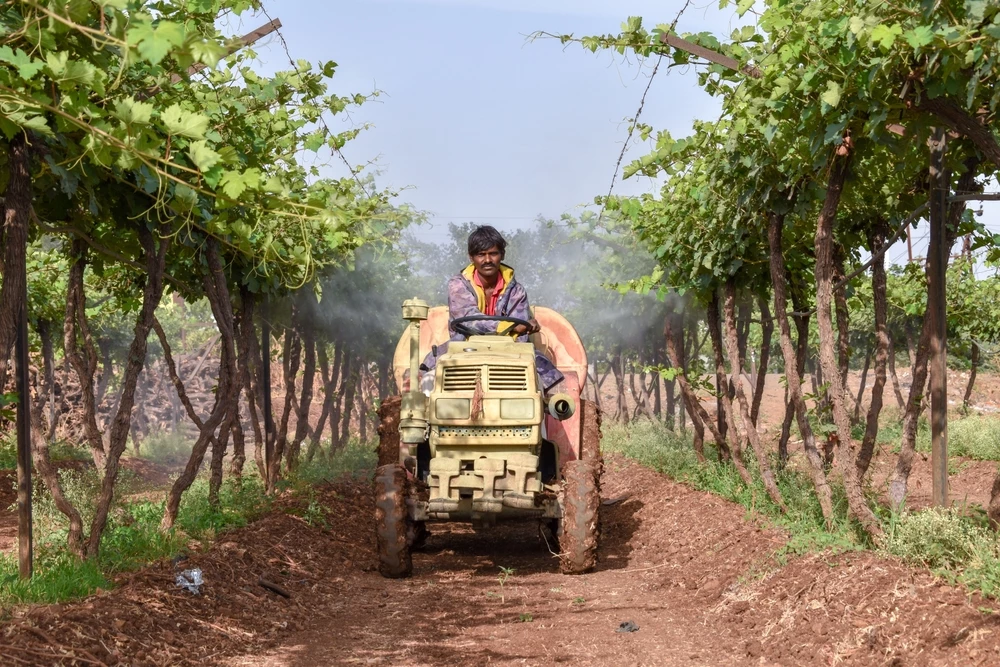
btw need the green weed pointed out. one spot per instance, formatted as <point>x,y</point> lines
<point>58,451</point>
<point>132,539</point>
<point>355,460</point>
<point>956,544</point>
<point>656,447</point>
<point>505,574</point>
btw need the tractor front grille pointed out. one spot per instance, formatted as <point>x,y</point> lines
<point>508,378</point>
<point>461,378</point>
<point>497,432</point>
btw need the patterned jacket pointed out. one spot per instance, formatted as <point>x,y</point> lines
<point>465,299</point>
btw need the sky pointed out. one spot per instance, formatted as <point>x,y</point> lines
<point>474,122</point>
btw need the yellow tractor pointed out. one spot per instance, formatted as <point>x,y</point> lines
<point>486,443</point>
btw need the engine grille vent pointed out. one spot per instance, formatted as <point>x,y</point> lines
<point>508,378</point>
<point>461,378</point>
<point>498,432</point>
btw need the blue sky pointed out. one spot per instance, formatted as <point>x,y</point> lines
<point>478,123</point>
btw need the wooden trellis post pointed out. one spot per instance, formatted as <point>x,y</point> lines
<point>24,521</point>
<point>937,263</point>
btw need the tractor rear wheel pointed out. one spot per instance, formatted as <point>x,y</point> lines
<point>388,431</point>
<point>578,528</point>
<point>392,521</point>
<point>590,436</point>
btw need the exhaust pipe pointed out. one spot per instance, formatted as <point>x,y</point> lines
<point>413,417</point>
<point>561,406</point>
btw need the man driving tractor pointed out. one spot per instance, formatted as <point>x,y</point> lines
<point>487,287</point>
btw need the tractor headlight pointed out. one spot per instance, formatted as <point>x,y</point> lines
<point>517,408</point>
<point>451,408</point>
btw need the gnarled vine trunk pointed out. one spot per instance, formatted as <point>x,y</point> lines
<point>794,368</point>
<point>305,401</point>
<point>349,390</point>
<point>316,434</point>
<point>700,419</point>
<point>338,404</point>
<point>245,334</point>
<point>621,402</point>
<point>767,332</point>
<point>859,399</point>
<point>974,361</point>
<point>736,443</point>
<point>892,374</point>
<point>291,357</point>
<point>735,363</point>
<point>878,241</point>
<point>825,272</point>
<point>50,477</point>
<point>84,362</point>
<point>151,294</point>
<point>44,329</point>
<point>221,415</point>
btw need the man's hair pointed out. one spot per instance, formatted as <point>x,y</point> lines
<point>485,237</point>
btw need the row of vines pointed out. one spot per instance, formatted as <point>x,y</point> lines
<point>785,205</point>
<point>147,165</point>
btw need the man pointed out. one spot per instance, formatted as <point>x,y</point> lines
<point>487,287</point>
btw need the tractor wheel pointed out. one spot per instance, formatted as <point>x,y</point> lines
<point>590,435</point>
<point>392,521</point>
<point>388,431</point>
<point>578,528</point>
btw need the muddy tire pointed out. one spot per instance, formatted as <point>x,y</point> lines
<point>590,435</point>
<point>388,431</point>
<point>578,528</point>
<point>392,523</point>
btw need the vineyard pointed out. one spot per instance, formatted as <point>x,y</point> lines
<point>200,331</point>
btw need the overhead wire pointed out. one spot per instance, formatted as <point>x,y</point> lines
<point>635,121</point>
<point>322,120</point>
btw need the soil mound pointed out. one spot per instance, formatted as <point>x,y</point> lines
<point>694,580</point>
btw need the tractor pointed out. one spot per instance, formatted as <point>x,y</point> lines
<point>485,443</point>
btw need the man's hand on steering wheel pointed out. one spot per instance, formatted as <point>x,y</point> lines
<point>520,329</point>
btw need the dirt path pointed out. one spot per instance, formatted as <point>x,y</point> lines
<point>697,575</point>
<point>451,612</point>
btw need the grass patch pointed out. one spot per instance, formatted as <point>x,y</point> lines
<point>355,460</point>
<point>59,450</point>
<point>131,540</point>
<point>975,436</point>
<point>956,544</point>
<point>166,447</point>
<point>655,446</point>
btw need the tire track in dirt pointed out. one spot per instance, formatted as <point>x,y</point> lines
<point>694,572</point>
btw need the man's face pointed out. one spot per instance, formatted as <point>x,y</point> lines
<point>487,262</point>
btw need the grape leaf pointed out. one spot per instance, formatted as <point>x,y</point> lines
<point>919,37</point>
<point>831,95</point>
<point>184,123</point>
<point>202,156</point>
<point>27,67</point>
<point>133,112</point>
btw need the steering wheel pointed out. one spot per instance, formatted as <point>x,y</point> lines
<point>459,324</point>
